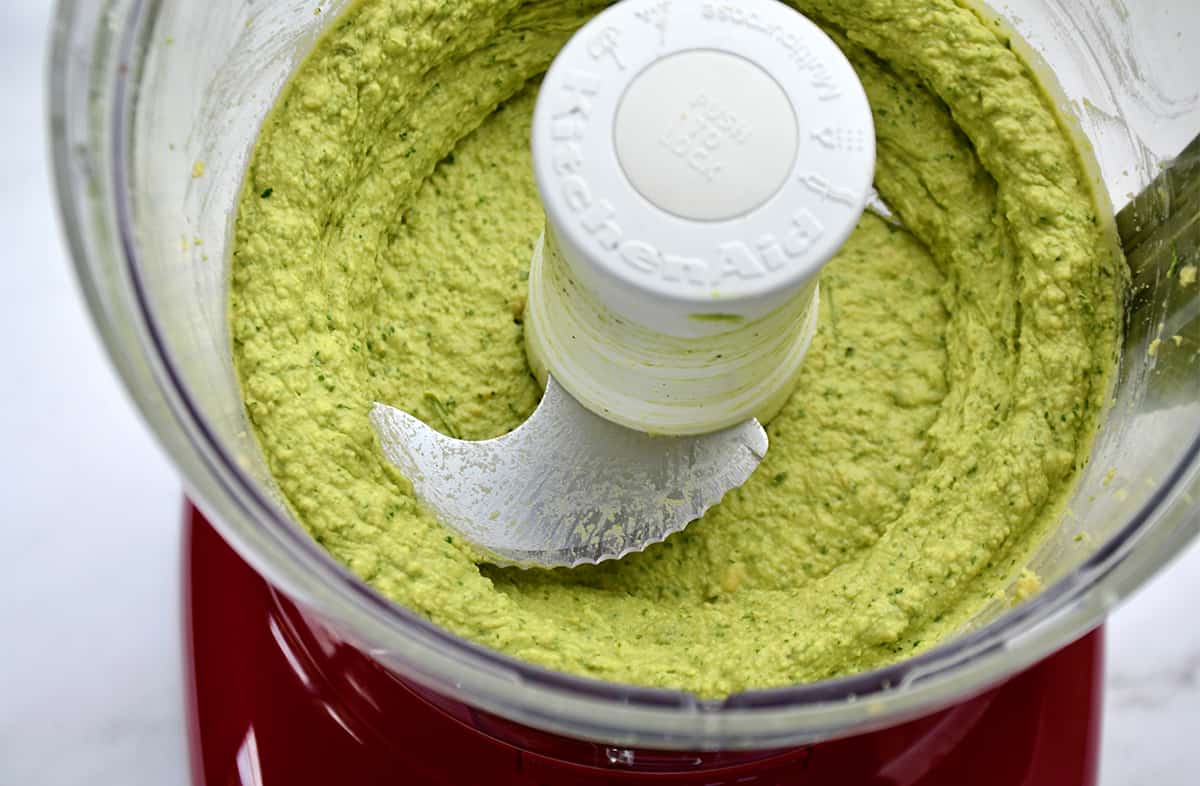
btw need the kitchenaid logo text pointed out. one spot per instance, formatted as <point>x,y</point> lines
<point>798,50</point>
<point>731,260</point>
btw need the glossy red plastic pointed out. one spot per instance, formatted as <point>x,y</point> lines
<point>275,699</point>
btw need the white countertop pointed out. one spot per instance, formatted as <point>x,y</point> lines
<point>90,671</point>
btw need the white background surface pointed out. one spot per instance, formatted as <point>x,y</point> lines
<point>90,671</point>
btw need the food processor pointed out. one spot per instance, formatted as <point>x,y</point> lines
<point>299,673</point>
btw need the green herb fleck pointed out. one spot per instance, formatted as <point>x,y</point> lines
<point>443,414</point>
<point>716,317</point>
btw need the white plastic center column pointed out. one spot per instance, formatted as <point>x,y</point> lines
<point>699,163</point>
<point>706,135</point>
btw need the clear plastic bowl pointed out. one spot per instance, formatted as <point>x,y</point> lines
<point>143,89</point>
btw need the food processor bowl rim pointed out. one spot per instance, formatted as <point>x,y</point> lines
<point>568,704</point>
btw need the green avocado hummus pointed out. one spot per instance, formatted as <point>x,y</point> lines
<point>381,254</point>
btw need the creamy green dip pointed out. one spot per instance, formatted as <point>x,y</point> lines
<point>381,254</point>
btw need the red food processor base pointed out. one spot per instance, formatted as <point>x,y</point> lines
<point>275,699</point>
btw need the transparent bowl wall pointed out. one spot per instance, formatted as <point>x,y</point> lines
<point>143,89</point>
